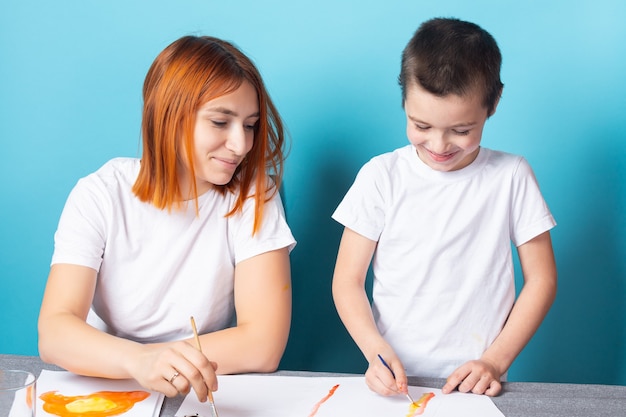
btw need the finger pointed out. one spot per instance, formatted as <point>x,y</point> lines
<point>197,382</point>
<point>380,381</point>
<point>179,382</point>
<point>166,384</point>
<point>455,379</point>
<point>186,362</point>
<point>482,384</point>
<point>494,388</point>
<point>401,379</point>
<point>469,382</point>
<point>202,364</point>
<point>208,373</point>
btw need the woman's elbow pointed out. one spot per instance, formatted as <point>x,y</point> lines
<point>267,359</point>
<point>44,347</point>
<point>270,363</point>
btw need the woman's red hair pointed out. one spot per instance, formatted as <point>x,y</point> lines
<point>187,74</point>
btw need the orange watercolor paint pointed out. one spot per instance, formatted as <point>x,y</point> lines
<point>97,404</point>
<point>417,408</point>
<point>30,396</point>
<point>319,403</point>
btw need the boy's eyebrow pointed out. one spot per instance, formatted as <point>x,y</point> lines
<point>462,124</point>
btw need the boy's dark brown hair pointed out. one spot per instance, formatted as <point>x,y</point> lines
<point>451,56</point>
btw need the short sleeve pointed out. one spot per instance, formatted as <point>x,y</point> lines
<point>273,234</point>
<point>530,215</point>
<point>363,207</point>
<point>80,235</point>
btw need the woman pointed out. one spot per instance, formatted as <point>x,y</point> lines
<point>193,228</point>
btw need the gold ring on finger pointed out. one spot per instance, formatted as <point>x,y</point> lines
<point>171,380</point>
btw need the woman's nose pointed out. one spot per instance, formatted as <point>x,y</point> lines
<point>237,140</point>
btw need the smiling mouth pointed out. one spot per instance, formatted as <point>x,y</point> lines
<point>441,157</point>
<point>227,162</point>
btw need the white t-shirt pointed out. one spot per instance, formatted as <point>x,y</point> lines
<point>156,269</point>
<point>443,271</point>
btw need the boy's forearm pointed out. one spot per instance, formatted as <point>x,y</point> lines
<point>527,314</point>
<point>355,312</point>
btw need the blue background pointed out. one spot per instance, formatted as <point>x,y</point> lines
<point>71,74</point>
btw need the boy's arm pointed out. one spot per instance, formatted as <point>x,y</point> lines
<point>353,260</point>
<point>540,282</point>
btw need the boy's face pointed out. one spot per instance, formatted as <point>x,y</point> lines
<point>446,131</point>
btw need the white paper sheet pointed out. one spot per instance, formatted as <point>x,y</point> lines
<point>293,396</point>
<point>69,385</point>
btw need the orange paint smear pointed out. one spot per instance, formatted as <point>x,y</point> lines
<point>98,404</point>
<point>416,408</point>
<point>317,406</point>
<point>30,396</point>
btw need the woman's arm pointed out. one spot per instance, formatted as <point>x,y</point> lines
<point>66,340</point>
<point>353,260</point>
<point>263,308</point>
<point>539,290</point>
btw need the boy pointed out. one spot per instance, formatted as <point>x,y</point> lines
<point>436,218</point>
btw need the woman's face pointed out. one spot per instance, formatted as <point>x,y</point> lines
<point>223,135</point>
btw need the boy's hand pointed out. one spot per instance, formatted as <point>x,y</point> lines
<point>381,380</point>
<point>479,377</point>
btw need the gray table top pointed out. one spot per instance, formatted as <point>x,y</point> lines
<point>518,399</point>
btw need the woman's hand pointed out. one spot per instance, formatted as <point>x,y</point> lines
<point>174,368</point>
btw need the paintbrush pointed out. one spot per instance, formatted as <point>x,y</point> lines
<point>199,347</point>
<point>394,376</point>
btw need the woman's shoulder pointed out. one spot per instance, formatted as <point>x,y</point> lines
<point>114,176</point>
<point>119,166</point>
<point>116,170</point>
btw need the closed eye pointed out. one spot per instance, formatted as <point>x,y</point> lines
<point>251,123</point>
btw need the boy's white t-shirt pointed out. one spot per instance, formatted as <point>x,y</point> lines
<point>157,268</point>
<point>443,272</point>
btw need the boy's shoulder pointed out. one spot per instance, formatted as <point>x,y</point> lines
<point>493,153</point>
<point>501,158</point>
<point>386,164</point>
<point>392,157</point>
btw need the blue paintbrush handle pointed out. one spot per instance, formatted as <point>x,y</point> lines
<point>386,365</point>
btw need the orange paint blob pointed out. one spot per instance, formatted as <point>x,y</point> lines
<point>416,408</point>
<point>98,404</point>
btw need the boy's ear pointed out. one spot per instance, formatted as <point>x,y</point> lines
<point>495,105</point>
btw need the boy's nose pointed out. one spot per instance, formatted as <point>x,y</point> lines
<point>438,143</point>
